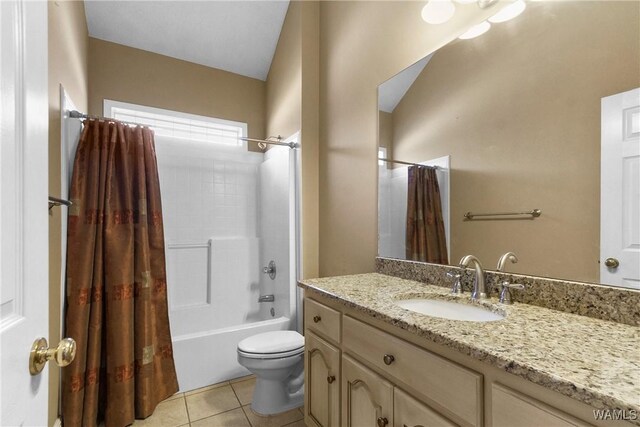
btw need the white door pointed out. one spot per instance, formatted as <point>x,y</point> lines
<point>23,209</point>
<point>620,190</point>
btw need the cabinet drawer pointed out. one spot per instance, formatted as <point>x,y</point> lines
<point>408,412</point>
<point>322,319</point>
<point>509,408</point>
<point>454,388</point>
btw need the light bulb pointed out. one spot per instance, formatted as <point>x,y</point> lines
<point>509,12</point>
<point>476,31</point>
<point>438,11</point>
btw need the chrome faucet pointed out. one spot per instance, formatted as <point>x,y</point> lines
<point>479,291</point>
<point>509,256</point>
<point>266,298</point>
<point>506,286</point>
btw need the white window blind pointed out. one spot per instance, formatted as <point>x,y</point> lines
<point>179,125</point>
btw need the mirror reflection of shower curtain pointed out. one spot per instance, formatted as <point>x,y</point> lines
<point>426,239</point>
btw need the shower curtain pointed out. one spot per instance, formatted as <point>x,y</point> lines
<point>116,299</point>
<point>426,240</point>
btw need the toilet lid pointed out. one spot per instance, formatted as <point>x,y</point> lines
<point>272,342</point>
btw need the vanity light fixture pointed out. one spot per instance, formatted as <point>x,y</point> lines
<point>509,12</point>
<point>441,11</point>
<point>476,30</point>
<point>438,11</point>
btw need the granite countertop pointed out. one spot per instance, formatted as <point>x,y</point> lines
<point>594,361</point>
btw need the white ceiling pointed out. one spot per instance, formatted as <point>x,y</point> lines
<point>392,91</point>
<point>236,36</point>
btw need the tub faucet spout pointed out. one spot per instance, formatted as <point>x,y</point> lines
<point>266,298</point>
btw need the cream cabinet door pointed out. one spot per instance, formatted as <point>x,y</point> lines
<point>367,398</point>
<point>408,412</point>
<point>322,382</point>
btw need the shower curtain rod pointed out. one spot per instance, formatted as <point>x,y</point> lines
<point>267,141</point>
<point>406,163</point>
<point>74,114</point>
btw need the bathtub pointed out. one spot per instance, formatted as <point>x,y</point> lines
<point>210,357</point>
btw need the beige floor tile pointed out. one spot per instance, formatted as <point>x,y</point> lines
<point>211,402</point>
<point>299,423</point>
<point>207,388</point>
<point>301,409</point>
<point>233,418</point>
<point>243,378</point>
<point>169,413</point>
<point>272,420</point>
<point>244,390</point>
<point>175,396</point>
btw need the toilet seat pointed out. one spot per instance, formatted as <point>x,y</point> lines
<point>272,345</point>
<point>271,355</point>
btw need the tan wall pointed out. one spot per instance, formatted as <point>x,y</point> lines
<point>518,110</point>
<point>284,82</point>
<point>362,44</point>
<point>126,74</point>
<point>289,109</point>
<point>68,41</point>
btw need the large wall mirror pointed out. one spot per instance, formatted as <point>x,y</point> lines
<point>539,118</point>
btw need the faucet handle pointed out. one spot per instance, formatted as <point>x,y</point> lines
<point>505,291</point>
<point>456,288</point>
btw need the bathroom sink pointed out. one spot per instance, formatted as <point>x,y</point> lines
<point>449,309</point>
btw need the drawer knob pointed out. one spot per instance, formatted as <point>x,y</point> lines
<point>382,421</point>
<point>316,319</point>
<point>388,359</point>
<point>331,379</point>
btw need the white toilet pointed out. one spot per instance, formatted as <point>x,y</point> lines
<point>277,360</point>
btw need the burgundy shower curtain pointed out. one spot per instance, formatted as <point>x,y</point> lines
<point>116,300</point>
<point>426,240</point>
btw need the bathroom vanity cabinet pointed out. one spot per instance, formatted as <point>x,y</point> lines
<point>363,371</point>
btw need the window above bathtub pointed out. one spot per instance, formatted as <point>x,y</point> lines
<point>178,124</point>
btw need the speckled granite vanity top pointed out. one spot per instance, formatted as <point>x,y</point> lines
<point>591,360</point>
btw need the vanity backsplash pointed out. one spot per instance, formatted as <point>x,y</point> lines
<point>585,299</point>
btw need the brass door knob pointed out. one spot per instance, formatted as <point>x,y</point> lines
<point>40,354</point>
<point>331,379</point>
<point>388,359</point>
<point>316,319</point>
<point>611,262</point>
<point>382,421</point>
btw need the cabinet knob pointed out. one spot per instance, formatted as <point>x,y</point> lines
<point>316,319</point>
<point>388,359</point>
<point>382,421</point>
<point>331,379</point>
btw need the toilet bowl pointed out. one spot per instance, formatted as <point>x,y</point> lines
<point>277,360</point>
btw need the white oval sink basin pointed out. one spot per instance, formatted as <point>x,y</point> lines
<point>449,310</point>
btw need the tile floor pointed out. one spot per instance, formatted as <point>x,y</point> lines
<point>219,405</point>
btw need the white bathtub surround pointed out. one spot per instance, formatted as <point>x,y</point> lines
<point>227,213</point>
<point>210,357</point>
<point>276,225</point>
<point>392,210</point>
